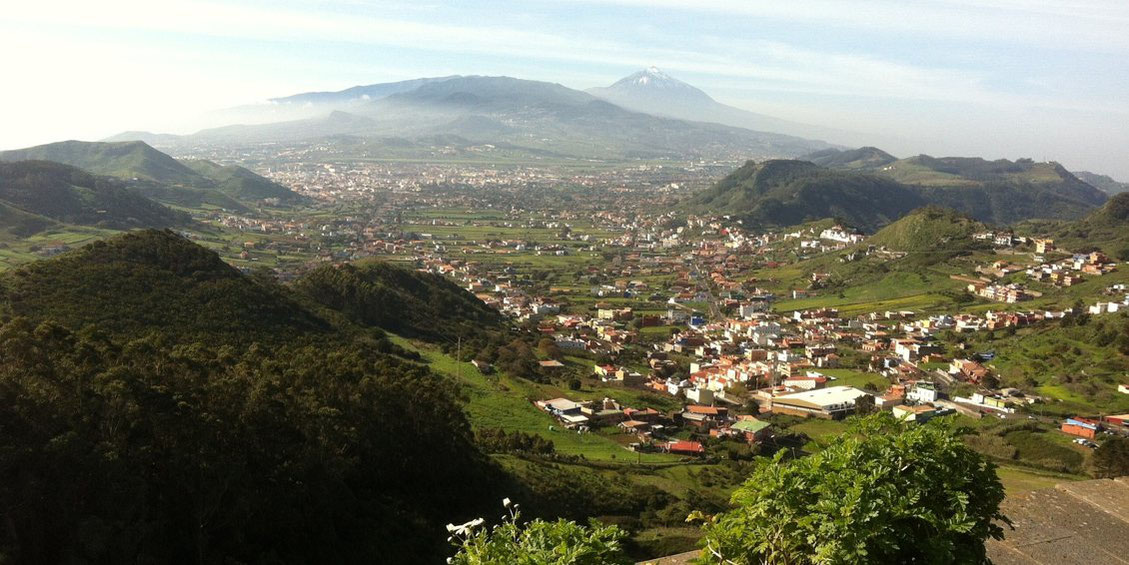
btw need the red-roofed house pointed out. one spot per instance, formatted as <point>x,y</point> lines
<point>685,448</point>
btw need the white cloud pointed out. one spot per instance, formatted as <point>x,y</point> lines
<point>1097,25</point>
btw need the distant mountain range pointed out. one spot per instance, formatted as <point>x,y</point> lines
<point>158,176</point>
<point>543,117</point>
<point>868,188</point>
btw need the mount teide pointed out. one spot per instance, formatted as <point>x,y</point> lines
<point>655,92</point>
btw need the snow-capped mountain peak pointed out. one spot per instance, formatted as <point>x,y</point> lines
<point>652,82</point>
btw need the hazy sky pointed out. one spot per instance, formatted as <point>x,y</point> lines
<point>995,78</point>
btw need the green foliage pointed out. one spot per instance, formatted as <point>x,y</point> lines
<point>537,542</point>
<point>400,300</point>
<point>497,440</point>
<point>168,408</point>
<point>66,194</point>
<point>784,193</point>
<point>1111,458</point>
<point>940,232</point>
<point>240,183</point>
<point>884,492</point>
<point>158,175</point>
<point>153,451</point>
<point>153,280</point>
<point>865,191</point>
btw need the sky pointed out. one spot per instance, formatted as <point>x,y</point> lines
<point>992,78</point>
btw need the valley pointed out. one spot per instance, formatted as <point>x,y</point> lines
<point>514,289</point>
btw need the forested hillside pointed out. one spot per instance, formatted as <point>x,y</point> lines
<point>865,189</point>
<point>66,194</point>
<point>159,406</point>
<point>160,176</point>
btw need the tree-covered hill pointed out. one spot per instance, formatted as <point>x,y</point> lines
<point>785,193</point>
<point>128,159</point>
<point>927,229</point>
<point>159,406</point>
<point>240,183</point>
<point>155,281</point>
<point>930,235</point>
<point>66,194</point>
<point>158,175</point>
<point>159,281</point>
<point>399,300</point>
<point>861,158</point>
<point>1107,229</point>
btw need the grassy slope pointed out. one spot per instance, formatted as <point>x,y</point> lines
<point>505,402</point>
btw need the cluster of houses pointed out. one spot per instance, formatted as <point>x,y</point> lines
<point>654,430</point>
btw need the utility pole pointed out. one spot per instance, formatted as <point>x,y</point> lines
<point>459,358</point>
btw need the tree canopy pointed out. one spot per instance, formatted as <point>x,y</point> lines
<point>885,492</point>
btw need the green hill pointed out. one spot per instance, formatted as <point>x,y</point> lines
<point>155,280</point>
<point>127,159</point>
<point>1106,229</point>
<point>931,235</point>
<point>240,183</point>
<point>861,158</point>
<point>156,404</point>
<point>1103,182</point>
<point>784,193</point>
<point>400,300</point>
<point>16,223</point>
<point>158,175</point>
<point>927,229</point>
<point>66,194</point>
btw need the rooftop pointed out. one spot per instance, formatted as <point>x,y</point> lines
<point>825,396</point>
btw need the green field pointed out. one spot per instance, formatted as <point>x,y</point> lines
<point>507,403</point>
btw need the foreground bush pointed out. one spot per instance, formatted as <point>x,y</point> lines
<point>886,492</point>
<point>537,542</point>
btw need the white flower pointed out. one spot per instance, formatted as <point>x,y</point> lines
<point>506,502</point>
<point>465,529</point>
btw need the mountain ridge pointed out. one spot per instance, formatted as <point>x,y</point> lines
<point>67,194</point>
<point>157,174</point>
<point>782,192</point>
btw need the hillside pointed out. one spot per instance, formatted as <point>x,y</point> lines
<point>1103,182</point>
<point>158,279</point>
<point>128,160</point>
<point>399,300</point>
<point>335,123</point>
<point>156,174</point>
<point>240,183</point>
<point>784,193</point>
<point>159,404</point>
<point>33,191</point>
<point>1107,229</point>
<point>155,279</point>
<point>928,229</point>
<point>856,189</point>
<point>861,158</point>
